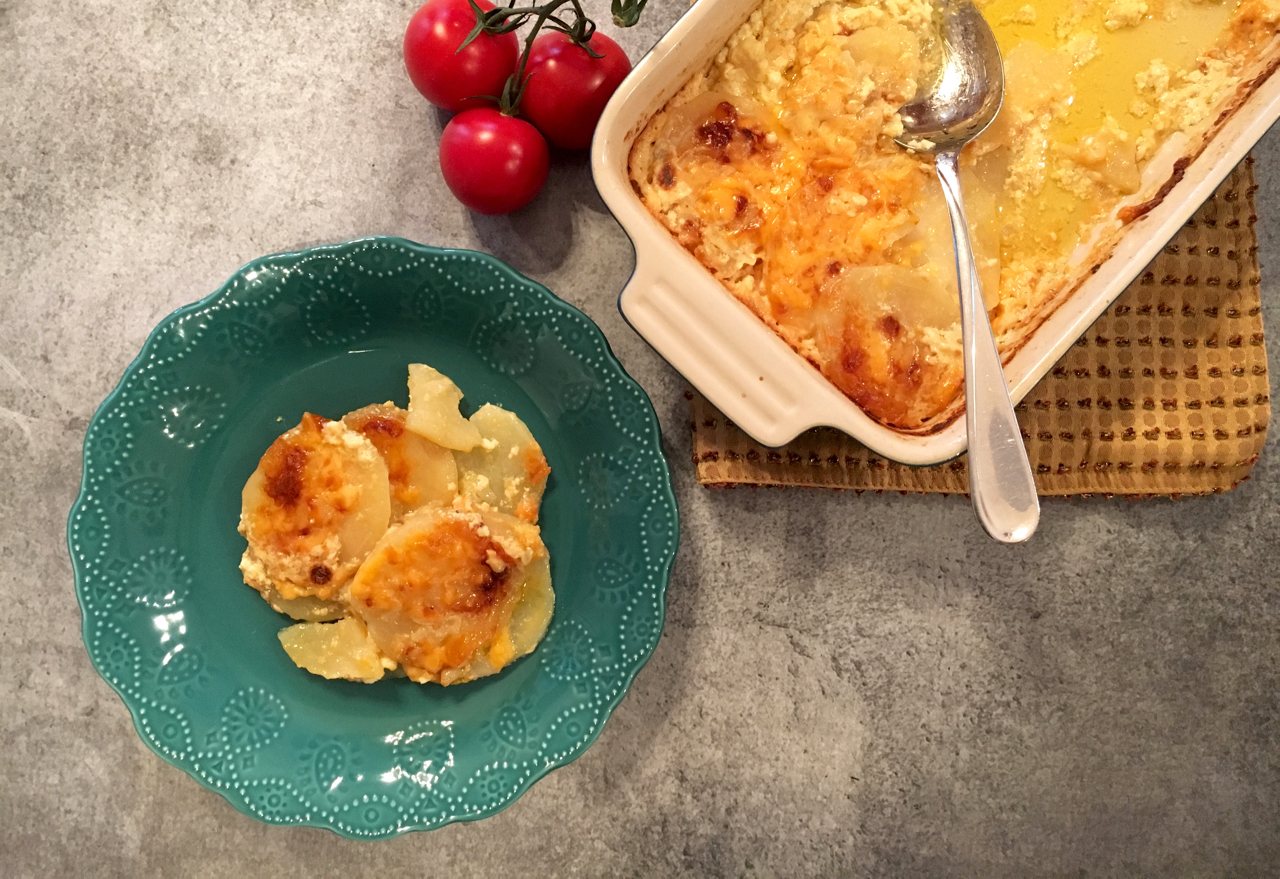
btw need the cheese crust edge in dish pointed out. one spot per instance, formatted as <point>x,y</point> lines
<point>1165,169</point>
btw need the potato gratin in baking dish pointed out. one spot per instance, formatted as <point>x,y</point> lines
<point>775,167</point>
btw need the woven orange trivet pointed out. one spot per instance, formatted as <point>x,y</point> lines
<point>1166,394</point>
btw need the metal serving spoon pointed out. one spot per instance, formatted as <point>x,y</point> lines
<point>946,113</point>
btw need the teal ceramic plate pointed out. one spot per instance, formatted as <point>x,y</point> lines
<point>192,650</point>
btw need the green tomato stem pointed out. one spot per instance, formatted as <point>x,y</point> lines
<point>580,29</point>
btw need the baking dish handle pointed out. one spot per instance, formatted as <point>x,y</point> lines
<point>715,342</point>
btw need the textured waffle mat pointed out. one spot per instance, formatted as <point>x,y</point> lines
<point>1166,394</point>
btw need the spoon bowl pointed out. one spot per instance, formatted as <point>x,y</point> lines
<point>951,108</point>
<point>963,94</point>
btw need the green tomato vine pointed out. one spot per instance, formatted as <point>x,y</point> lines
<point>573,22</point>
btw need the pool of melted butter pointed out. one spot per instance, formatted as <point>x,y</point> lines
<point>1102,84</point>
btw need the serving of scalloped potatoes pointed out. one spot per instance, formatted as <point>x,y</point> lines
<point>406,542</point>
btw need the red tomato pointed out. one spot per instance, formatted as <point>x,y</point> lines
<point>446,77</point>
<point>566,89</point>
<point>493,163</point>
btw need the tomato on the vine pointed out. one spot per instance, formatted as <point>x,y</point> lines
<point>566,89</point>
<point>450,79</point>
<point>493,163</point>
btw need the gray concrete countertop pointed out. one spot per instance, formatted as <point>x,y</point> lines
<point>861,686</point>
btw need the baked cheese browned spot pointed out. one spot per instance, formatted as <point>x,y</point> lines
<point>314,507</point>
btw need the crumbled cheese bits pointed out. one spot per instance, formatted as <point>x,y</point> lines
<point>406,541</point>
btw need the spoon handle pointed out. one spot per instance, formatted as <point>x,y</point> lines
<point>1000,482</point>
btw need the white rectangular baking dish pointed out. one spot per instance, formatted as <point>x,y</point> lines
<point>754,377</point>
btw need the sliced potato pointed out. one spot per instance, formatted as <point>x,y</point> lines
<point>341,650</point>
<point>532,615</point>
<point>313,509</point>
<point>419,470</point>
<point>306,608</point>
<point>506,470</point>
<point>440,591</point>
<point>433,409</point>
<point>529,621</point>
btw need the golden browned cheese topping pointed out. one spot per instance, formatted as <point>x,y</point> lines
<point>282,465</point>
<point>777,168</point>
<point>444,570</point>
<point>453,573</point>
<point>306,481</point>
